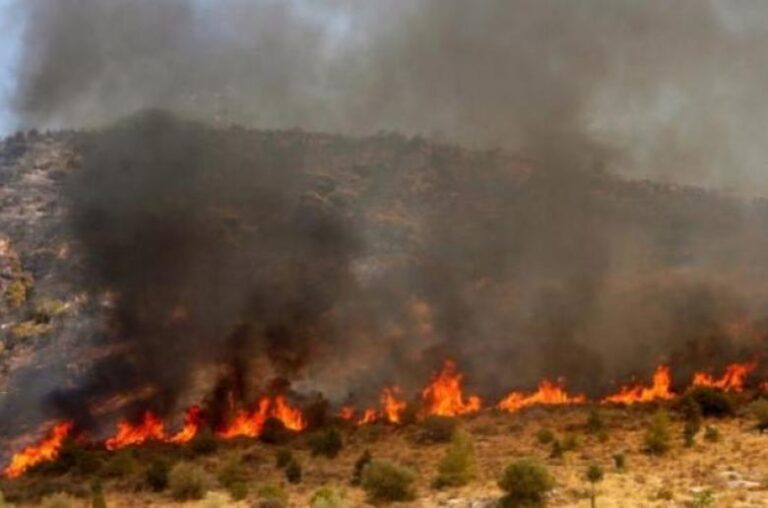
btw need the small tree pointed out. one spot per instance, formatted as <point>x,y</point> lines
<point>657,435</point>
<point>525,482</point>
<point>691,411</point>
<point>457,468</point>
<point>594,475</point>
<point>384,481</point>
<point>327,443</point>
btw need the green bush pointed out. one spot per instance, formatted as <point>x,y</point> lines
<point>711,401</point>
<point>525,482</point>
<point>238,490</point>
<point>657,436</point>
<point>327,497</point>
<point>703,499</point>
<point>232,472</point>
<point>595,421</point>
<point>59,500</point>
<point>293,472</point>
<point>545,436</point>
<point>384,481</point>
<point>283,457</point>
<point>594,475</point>
<point>121,464</point>
<point>16,293</point>
<point>457,467</point>
<point>438,429</point>
<point>711,434</point>
<point>157,475</point>
<point>271,496</point>
<point>327,443</point>
<point>362,461</point>
<point>760,412</point>
<point>187,481</point>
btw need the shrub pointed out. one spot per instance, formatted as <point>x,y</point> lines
<point>760,412</point>
<point>438,429</point>
<point>571,442</point>
<point>238,491</point>
<point>283,457</point>
<point>525,483</point>
<point>274,432</point>
<point>620,461</point>
<point>121,464</point>
<point>545,436</point>
<point>272,496</point>
<point>594,475</point>
<point>595,421</point>
<point>293,472</point>
<point>326,443</point>
<point>204,443</point>
<point>711,434</point>
<point>216,500</point>
<point>557,450</point>
<point>360,463</point>
<point>711,402</point>
<point>657,435</point>
<point>457,467</point>
<point>327,497</point>
<point>16,293</point>
<point>74,458</point>
<point>97,496</point>
<point>28,329</point>
<point>233,478</point>
<point>49,308</point>
<point>157,475</point>
<point>384,481</point>
<point>187,481</point>
<point>59,500</point>
<point>703,499</point>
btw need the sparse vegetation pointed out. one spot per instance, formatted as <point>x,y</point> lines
<point>121,464</point>
<point>703,499</point>
<point>205,443</point>
<point>327,497</point>
<point>760,412</point>
<point>187,481</point>
<point>657,437</point>
<point>545,436</point>
<point>16,293</point>
<point>711,434</point>
<point>595,421</point>
<point>274,432</point>
<point>457,467</point>
<point>216,500</point>
<point>711,401</point>
<point>594,475</point>
<point>326,443</point>
<point>283,457</point>
<point>438,429</point>
<point>360,463</point>
<point>385,481</point>
<point>157,475</point>
<point>271,496</point>
<point>293,472</point>
<point>620,462</point>
<point>525,483</point>
<point>233,478</point>
<point>97,496</point>
<point>29,329</point>
<point>59,500</point>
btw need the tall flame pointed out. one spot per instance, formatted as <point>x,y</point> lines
<point>660,390</point>
<point>549,393</point>
<point>732,379</point>
<point>443,396</point>
<point>149,428</point>
<point>392,405</point>
<point>192,424</point>
<point>252,424</point>
<point>47,450</point>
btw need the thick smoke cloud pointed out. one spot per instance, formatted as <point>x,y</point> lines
<point>231,261</point>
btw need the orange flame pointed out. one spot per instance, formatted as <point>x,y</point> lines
<point>443,396</point>
<point>660,390</point>
<point>393,406</point>
<point>191,426</point>
<point>149,428</point>
<point>369,416</point>
<point>251,424</point>
<point>732,379</point>
<point>46,450</point>
<point>347,413</point>
<point>549,393</point>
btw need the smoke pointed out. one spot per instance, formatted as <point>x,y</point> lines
<point>343,264</point>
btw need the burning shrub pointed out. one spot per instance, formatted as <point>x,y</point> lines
<point>327,497</point>
<point>711,401</point>
<point>657,436</point>
<point>759,410</point>
<point>457,468</point>
<point>272,496</point>
<point>327,443</point>
<point>75,459</point>
<point>438,429</point>
<point>360,463</point>
<point>293,472</point>
<point>283,457</point>
<point>59,500</point>
<point>157,475</point>
<point>525,482</point>
<point>187,481</point>
<point>384,481</point>
<point>545,436</point>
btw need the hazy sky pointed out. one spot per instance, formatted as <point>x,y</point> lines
<point>8,49</point>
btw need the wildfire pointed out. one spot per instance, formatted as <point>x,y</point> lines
<point>393,406</point>
<point>443,396</point>
<point>46,450</point>
<point>369,416</point>
<point>549,393</point>
<point>149,428</point>
<point>732,379</point>
<point>192,424</point>
<point>251,424</point>
<point>660,390</point>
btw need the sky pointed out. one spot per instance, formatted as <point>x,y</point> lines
<point>9,43</point>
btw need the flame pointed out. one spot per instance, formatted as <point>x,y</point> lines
<point>46,450</point>
<point>347,413</point>
<point>393,406</point>
<point>369,416</point>
<point>192,424</point>
<point>549,393</point>
<point>149,428</point>
<point>660,390</point>
<point>732,379</point>
<point>251,424</point>
<point>443,396</point>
